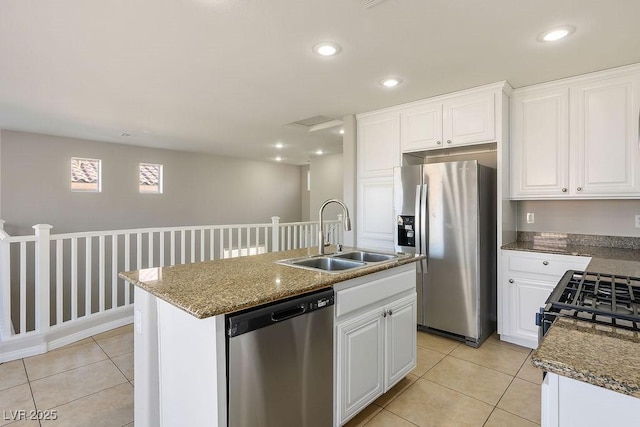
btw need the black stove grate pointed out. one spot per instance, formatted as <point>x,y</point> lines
<point>597,297</point>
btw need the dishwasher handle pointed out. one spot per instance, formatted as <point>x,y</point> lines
<point>289,313</point>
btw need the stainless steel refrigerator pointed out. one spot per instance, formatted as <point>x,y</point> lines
<point>447,211</point>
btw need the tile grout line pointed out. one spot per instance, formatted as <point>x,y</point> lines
<point>90,394</point>
<point>70,369</point>
<point>30,389</point>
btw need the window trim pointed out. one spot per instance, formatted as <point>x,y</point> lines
<point>99,180</point>
<point>160,178</point>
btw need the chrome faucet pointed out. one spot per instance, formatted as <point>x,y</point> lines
<point>347,222</point>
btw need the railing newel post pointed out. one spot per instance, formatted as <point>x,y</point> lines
<point>43,271</point>
<point>275,233</point>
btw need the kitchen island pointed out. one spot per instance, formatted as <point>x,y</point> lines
<point>180,347</point>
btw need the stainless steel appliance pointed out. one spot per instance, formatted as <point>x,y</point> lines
<point>280,363</point>
<point>447,211</point>
<point>593,297</point>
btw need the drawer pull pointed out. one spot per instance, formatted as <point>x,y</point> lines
<point>390,312</point>
<point>545,262</point>
<point>510,280</point>
<point>384,314</point>
<point>564,190</point>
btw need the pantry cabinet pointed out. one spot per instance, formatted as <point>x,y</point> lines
<point>375,337</point>
<point>577,138</point>
<point>526,282</point>
<point>455,121</point>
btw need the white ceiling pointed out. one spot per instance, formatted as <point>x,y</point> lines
<point>227,76</point>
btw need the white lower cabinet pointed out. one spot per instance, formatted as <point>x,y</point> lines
<point>527,281</point>
<point>375,341</point>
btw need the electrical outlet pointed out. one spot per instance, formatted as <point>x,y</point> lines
<point>637,221</point>
<point>531,218</point>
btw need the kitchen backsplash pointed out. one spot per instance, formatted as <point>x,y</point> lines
<point>600,217</point>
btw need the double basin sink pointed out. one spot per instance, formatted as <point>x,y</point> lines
<point>338,262</point>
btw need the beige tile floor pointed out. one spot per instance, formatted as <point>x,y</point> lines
<point>87,383</point>
<point>90,383</point>
<point>457,385</point>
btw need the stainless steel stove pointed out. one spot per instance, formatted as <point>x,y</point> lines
<point>593,297</point>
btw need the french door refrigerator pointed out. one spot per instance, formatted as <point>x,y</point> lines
<point>447,211</point>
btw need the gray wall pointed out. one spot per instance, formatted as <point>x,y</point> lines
<point>198,189</point>
<point>326,183</point>
<point>601,217</point>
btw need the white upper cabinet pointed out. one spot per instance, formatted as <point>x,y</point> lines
<point>577,138</point>
<point>605,124</point>
<point>378,144</point>
<point>450,121</point>
<point>541,154</point>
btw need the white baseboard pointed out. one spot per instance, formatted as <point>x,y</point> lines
<point>66,333</point>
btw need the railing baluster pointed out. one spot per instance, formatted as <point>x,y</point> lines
<point>247,230</point>
<point>150,246</point>
<point>114,271</point>
<point>192,233</point>
<point>74,278</point>
<point>256,230</point>
<point>202,238</point>
<point>161,243</point>
<point>295,237</point>
<point>211,234</point>
<point>183,234</point>
<point>239,241</point>
<point>87,276</point>
<point>138,251</point>
<point>127,255</point>
<point>101,272</point>
<point>23,287</point>
<point>59,260</point>
<point>230,242</point>
<point>267,248</point>
<point>173,247</point>
<point>5,279</point>
<point>288,237</point>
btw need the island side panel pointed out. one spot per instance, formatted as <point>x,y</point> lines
<point>145,362</point>
<point>192,362</point>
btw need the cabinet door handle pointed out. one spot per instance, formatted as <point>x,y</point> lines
<point>510,280</point>
<point>579,189</point>
<point>545,262</point>
<point>384,314</point>
<point>439,142</point>
<point>564,190</point>
<point>448,141</point>
<point>390,312</point>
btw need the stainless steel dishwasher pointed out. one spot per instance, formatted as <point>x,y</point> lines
<point>280,363</point>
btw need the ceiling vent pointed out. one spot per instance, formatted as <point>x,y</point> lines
<point>312,121</point>
<point>370,3</point>
<point>316,123</point>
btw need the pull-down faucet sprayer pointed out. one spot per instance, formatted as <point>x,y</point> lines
<point>347,222</point>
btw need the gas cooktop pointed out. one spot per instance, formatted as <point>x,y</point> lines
<point>595,297</point>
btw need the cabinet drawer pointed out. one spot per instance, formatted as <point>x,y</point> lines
<point>546,264</point>
<point>352,299</point>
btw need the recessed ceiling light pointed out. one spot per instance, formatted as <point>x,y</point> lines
<point>390,82</point>
<point>319,152</point>
<point>278,159</point>
<point>279,145</point>
<point>326,48</point>
<point>125,134</point>
<point>341,131</point>
<point>556,34</point>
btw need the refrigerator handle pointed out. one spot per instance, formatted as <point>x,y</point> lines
<point>424,221</point>
<point>418,222</point>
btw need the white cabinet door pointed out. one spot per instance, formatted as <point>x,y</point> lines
<point>469,119</point>
<point>540,143</point>
<point>421,127</point>
<point>375,213</point>
<point>606,137</point>
<point>526,296</point>
<point>400,354</point>
<point>378,144</point>
<point>360,362</point>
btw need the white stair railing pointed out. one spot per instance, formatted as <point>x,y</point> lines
<point>58,282</point>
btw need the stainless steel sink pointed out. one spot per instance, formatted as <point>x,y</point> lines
<point>366,256</point>
<point>327,263</point>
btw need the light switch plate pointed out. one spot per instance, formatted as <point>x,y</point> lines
<point>531,218</point>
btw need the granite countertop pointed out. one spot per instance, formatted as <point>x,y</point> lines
<point>604,356</point>
<point>209,288</point>
<point>609,254</point>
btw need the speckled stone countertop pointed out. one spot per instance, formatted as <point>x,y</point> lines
<point>223,286</point>
<point>604,356</point>
<point>609,254</point>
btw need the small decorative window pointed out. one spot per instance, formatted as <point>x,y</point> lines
<point>86,175</point>
<point>150,178</point>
